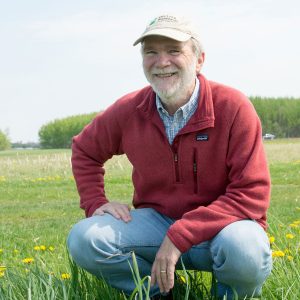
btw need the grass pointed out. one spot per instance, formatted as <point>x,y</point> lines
<point>39,204</point>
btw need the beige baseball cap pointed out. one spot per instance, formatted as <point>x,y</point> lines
<point>173,27</point>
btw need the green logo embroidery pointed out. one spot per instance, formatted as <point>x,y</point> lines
<point>152,22</point>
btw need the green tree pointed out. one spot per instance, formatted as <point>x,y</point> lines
<point>59,133</point>
<point>280,116</point>
<point>4,141</point>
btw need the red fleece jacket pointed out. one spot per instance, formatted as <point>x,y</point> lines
<point>213,174</point>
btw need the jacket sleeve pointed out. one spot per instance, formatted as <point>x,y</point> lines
<point>97,143</point>
<point>248,190</point>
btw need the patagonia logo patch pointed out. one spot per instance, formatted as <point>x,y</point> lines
<point>202,137</point>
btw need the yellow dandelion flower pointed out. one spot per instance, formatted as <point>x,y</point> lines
<point>43,247</point>
<point>28,260</point>
<point>296,222</point>
<point>290,258</point>
<point>65,276</point>
<point>271,239</point>
<point>278,253</point>
<point>293,225</point>
<point>182,279</point>
<point>289,236</point>
<point>2,268</point>
<point>37,248</point>
<point>2,274</point>
<point>51,248</point>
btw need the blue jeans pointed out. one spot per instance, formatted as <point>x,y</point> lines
<point>239,255</point>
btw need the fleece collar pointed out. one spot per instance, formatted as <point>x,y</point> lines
<point>202,118</point>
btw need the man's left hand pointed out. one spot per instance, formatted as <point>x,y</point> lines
<point>163,268</point>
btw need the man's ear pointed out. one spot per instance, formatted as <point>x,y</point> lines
<point>200,62</point>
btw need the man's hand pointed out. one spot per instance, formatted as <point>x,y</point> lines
<point>163,268</point>
<point>118,210</point>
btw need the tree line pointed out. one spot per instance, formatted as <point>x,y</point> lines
<point>59,133</point>
<point>279,116</point>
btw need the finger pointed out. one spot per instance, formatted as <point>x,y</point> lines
<point>164,279</point>
<point>153,275</point>
<point>161,277</point>
<point>98,212</point>
<point>112,211</point>
<point>124,213</point>
<point>170,277</point>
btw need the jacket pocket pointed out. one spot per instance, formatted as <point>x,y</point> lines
<point>195,170</point>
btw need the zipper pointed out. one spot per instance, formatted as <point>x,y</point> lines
<point>176,166</point>
<point>195,171</point>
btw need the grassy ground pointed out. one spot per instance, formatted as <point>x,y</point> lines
<point>39,204</point>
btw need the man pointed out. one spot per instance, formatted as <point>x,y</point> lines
<point>201,183</point>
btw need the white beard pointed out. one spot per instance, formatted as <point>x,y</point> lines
<point>176,89</point>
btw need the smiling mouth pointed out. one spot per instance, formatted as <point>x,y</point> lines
<point>164,75</point>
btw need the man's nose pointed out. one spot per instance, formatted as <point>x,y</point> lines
<point>163,60</point>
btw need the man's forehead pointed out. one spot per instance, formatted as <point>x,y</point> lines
<point>155,40</point>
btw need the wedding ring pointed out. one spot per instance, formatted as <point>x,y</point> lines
<point>163,271</point>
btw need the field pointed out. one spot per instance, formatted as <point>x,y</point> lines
<point>39,204</point>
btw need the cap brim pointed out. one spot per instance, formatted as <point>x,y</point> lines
<point>165,32</point>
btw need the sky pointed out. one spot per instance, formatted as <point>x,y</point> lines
<point>66,57</point>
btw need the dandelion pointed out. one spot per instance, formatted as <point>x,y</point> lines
<point>293,225</point>
<point>51,248</point>
<point>40,248</point>
<point>290,258</point>
<point>278,253</point>
<point>2,268</point>
<point>65,276</point>
<point>2,271</point>
<point>28,260</point>
<point>271,239</point>
<point>289,236</point>
<point>182,279</point>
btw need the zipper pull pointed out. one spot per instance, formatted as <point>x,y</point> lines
<point>195,167</point>
<point>175,157</point>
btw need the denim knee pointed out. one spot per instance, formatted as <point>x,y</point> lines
<point>88,242</point>
<point>241,256</point>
